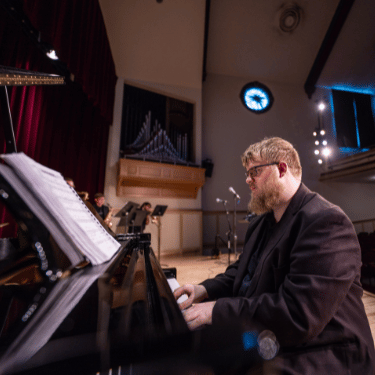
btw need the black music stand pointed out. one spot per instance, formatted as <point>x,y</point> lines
<point>138,221</point>
<point>159,212</point>
<point>126,215</point>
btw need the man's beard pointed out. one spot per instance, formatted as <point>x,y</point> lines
<point>267,198</point>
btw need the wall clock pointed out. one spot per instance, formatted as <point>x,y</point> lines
<point>256,97</point>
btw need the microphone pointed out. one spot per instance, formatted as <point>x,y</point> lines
<point>233,192</point>
<point>218,200</point>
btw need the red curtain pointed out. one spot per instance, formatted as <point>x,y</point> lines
<point>77,32</point>
<point>63,127</point>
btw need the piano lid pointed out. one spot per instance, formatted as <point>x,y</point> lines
<point>21,77</point>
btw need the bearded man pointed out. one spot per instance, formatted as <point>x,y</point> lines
<point>297,281</point>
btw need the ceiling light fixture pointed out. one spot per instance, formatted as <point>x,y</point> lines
<point>290,17</point>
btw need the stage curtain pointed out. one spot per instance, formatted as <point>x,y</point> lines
<point>62,127</point>
<point>77,31</point>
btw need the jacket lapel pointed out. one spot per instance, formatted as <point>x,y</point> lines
<point>280,229</point>
<point>249,248</point>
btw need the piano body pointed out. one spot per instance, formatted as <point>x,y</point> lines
<point>108,318</point>
<point>118,317</point>
<point>55,318</point>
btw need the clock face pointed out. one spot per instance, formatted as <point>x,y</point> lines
<point>256,97</point>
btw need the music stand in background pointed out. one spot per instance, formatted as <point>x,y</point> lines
<point>159,212</point>
<point>126,215</point>
<point>138,221</point>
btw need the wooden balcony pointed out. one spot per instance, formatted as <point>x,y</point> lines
<point>158,180</point>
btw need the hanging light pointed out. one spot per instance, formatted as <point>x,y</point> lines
<point>52,54</point>
<point>321,106</point>
<point>326,151</point>
<point>319,133</point>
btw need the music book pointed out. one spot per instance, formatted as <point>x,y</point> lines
<point>57,205</point>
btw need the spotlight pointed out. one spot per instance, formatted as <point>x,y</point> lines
<point>324,143</point>
<point>317,143</point>
<point>314,134</point>
<point>326,151</point>
<point>52,54</point>
<point>316,152</point>
<point>320,161</point>
<point>322,132</point>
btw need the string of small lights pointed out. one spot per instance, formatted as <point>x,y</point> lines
<point>322,151</point>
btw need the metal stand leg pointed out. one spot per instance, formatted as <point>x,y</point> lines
<point>6,119</point>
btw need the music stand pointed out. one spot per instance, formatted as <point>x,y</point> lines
<point>159,211</point>
<point>138,220</point>
<point>126,215</point>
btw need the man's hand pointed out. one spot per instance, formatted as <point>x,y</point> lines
<point>195,293</point>
<point>199,314</point>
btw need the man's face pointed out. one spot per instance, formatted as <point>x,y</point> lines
<point>147,208</point>
<point>265,188</point>
<point>99,201</point>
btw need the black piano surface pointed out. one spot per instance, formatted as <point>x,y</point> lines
<point>119,317</point>
<point>93,319</point>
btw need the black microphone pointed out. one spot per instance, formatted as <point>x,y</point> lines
<point>218,200</point>
<point>233,192</point>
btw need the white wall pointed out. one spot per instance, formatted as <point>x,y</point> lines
<point>229,128</point>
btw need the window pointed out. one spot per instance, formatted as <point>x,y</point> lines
<point>353,119</point>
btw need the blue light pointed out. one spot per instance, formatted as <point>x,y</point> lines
<point>356,124</point>
<point>333,115</point>
<point>249,340</point>
<point>350,88</point>
<point>351,150</point>
<point>256,99</point>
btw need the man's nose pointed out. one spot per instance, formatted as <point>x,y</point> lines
<point>249,180</point>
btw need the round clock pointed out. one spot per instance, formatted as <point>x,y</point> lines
<point>256,97</point>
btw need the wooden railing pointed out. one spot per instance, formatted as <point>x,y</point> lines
<point>367,225</point>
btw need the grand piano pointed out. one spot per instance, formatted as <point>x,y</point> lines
<point>118,317</point>
<point>113,317</point>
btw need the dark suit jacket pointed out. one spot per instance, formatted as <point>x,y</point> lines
<point>103,210</point>
<point>306,290</point>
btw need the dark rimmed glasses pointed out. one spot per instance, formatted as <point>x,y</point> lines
<point>253,172</point>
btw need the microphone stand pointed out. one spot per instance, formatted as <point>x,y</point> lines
<point>236,201</point>
<point>229,233</point>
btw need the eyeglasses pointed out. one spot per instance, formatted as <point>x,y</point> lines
<point>253,172</point>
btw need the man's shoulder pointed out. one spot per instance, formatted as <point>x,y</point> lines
<point>313,205</point>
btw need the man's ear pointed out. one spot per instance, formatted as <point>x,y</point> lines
<point>283,167</point>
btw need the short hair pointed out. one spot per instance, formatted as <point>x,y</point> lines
<point>98,195</point>
<point>271,150</point>
<point>145,204</point>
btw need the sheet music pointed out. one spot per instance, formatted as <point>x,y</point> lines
<point>66,206</point>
